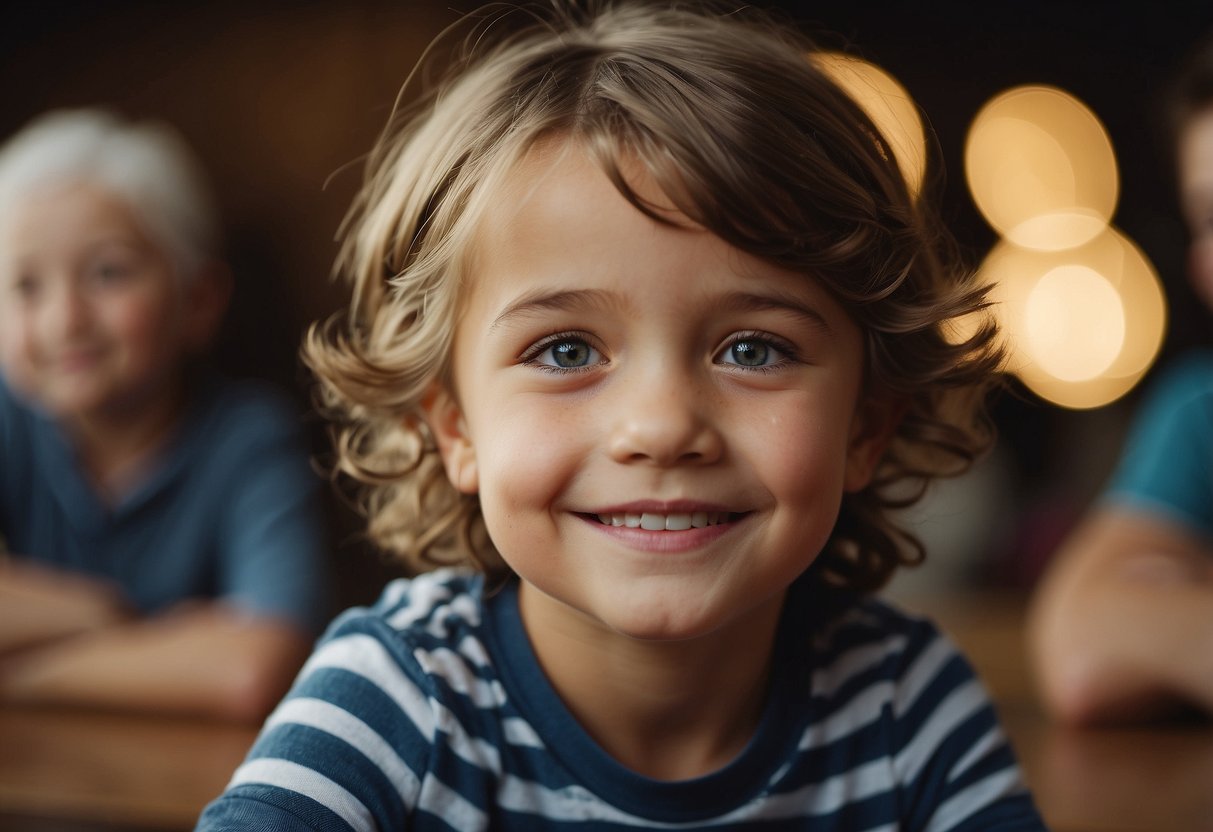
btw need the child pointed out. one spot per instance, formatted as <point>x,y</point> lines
<point>646,330</point>
<point>167,553</point>
<point>1122,626</point>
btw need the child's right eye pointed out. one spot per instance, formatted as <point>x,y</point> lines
<point>25,286</point>
<point>562,352</point>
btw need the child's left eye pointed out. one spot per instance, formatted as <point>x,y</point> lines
<point>563,352</point>
<point>754,351</point>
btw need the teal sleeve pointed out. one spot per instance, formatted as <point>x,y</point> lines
<point>1167,464</point>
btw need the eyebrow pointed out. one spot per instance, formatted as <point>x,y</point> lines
<point>559,301</point>
<point>777,301</point>
<point>590,299</point>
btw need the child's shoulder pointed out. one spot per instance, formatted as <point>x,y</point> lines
<point>439,610</point>
<point>423,634</point>
<point>872,642</point>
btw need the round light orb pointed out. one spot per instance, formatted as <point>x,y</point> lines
<point>1074,323</point>
<point>889,107</point>
<point>1080,326</point>
<point>1041,168</point>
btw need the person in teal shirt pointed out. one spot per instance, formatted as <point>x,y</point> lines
<point>165,540</point>
<point>1122,626</point>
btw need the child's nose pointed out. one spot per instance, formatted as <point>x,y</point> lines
<point>665,423</point>
<point>67,311</point>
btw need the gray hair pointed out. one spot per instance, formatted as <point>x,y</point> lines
<point>145,164</point>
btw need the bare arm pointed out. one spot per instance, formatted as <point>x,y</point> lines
<point>1122,625</point>
<point>39,604</point>
<point>203,658</point>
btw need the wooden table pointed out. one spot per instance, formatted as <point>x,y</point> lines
<point>1155,779</point>
<point>75,771</point>
<point>84,771</point>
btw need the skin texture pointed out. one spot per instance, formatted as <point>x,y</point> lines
<point>606,364</point>
<point>95,328</point>
<point>1122,625</point>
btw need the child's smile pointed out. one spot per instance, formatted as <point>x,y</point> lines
<point>659,426</point>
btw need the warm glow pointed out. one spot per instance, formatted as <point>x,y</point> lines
<point>1041,168</point>
<point>1074,324</point>
<point>1082,325</point>
<point>889,106</point>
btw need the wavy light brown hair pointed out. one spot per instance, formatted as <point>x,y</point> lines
<point>749,139</point>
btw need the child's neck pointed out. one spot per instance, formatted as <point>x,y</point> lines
<point>667,710</point>
<point>117,448</point>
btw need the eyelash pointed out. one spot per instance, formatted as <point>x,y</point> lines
<point>788,353</point>
<point>530,356</point>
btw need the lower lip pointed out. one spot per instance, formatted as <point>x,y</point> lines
<point>663,541</point>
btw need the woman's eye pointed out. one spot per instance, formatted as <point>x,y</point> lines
<point>752,351</point>
<point>564,353</point>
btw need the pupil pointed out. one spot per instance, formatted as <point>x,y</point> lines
<point>750,353</point>
<point>571,354</point>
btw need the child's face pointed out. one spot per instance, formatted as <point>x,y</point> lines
<point>611,370</point>
<point>1196,186</point>
<point>92,317</point>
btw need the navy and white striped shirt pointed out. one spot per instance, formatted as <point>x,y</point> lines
<point>429,711</point>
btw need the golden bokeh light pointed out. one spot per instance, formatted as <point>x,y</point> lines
<point>1082,325</point>
<point>1041,168</point>
<point>1074,323</point>
<point>889,106</point>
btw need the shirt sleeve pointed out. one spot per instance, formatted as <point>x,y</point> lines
<point>1167,463</point>
<point>348,747</point>
<point>955,765</point>
<point>273,537</point>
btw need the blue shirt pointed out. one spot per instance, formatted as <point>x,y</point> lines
<point>430,712</point>
<point>231,510</point>
<point>1167,464</point>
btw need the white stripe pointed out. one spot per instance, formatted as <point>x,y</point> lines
<point>925,668</point>
<point>453,668</point>
<point>440,800</point>
<point>426,592</point>
<point>964,804</point>
<point>366,656</point>
<point>570,804</point>
<point>293,777</point>
<point>822,798</point>
<point>993,740</point>
<point>331,719</point>
<point>954,709</point>
<point>474,651</point>
<point>472,749</point>
<point>520,732</point>
<point>858,712</point>
<point>827,680</point>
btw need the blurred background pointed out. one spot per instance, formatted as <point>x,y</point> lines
<point>282,99</point>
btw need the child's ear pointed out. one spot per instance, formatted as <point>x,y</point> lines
<point>207,295</point>
<point>876,420</point>
<point>445,419</point>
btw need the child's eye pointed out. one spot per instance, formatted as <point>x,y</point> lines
<point>26,286</point>
<point>109,272</point>
<point>562,352</point>
<point>755,351</point>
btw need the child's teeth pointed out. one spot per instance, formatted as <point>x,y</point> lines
<point>664,522</point>
<point>678,522</point>
<point>652,522</point>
